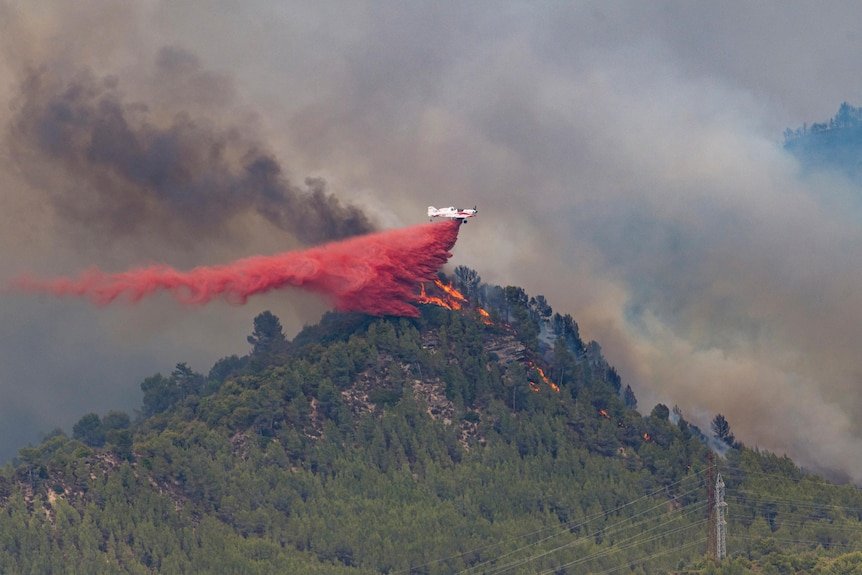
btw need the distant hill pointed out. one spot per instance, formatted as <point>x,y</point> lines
<point>832,145</point>
<point>484,436</point>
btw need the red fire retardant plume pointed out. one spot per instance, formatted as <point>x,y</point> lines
<point>378,273</point>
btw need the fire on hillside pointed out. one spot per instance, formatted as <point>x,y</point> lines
<point>450,298</point>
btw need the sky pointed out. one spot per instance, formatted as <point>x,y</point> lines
<point>626,158</point>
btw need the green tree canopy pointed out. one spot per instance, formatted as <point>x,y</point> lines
<point>268,336</point>
<point>89,430</point>
<point>721,429</point>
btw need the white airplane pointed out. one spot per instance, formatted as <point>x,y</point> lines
<point>452,212</point>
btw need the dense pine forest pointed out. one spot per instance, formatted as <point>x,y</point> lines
<point>484,436</point>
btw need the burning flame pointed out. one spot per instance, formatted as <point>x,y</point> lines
<point>454,300</point>
<point>604,414</point>
<point>450,290</point>
<point>548,382</point>
<point>448,303</point>
<point>647,437</point>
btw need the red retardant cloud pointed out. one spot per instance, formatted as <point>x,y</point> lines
<point>378,274</point>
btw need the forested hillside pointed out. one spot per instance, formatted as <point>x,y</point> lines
<point>483,437</point>
<point>835,144</point>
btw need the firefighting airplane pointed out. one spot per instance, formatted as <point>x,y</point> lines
<point>452,212</point>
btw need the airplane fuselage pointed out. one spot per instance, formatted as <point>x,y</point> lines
<point>453,213</point>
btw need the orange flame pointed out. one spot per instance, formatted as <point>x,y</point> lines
<point>647,437</point>
<point>450,290</point>
<point>548,382</point>
<point>454,300</point>
<point>448,303</point>
<point>604,414</point>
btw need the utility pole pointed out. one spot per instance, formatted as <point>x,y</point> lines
<point>720,521</point>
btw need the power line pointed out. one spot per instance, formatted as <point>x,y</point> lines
<point>813,542</point>
<point>796,502</point>
<point>814,479</point>
<point>805,521</point>
<point>566,527</point>
<point>717,525</point>
<point>615,529</point>
<point>629,546</point>
<point>649,557</point>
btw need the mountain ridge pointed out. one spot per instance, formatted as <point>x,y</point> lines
<point>392,445</point>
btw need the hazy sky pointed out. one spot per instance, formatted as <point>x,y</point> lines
<point>626,158</point>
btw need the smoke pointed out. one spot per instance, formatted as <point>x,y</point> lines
<point>128,171</point>
<point>627,160</point>
<point>643,166</point>
<point>130,145</point>
<point>376,274</point>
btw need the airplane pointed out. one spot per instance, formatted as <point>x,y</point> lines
<point>452,212</point>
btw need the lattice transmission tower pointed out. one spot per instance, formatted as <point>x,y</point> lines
<point>711,546</point>
<point>720,521</point>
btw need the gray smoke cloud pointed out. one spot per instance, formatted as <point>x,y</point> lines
<point>183,181</point>
<point>117,152</point>
<point>626,159</point>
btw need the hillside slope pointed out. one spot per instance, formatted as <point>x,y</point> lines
<point>483,437</point>
<point>832,145</point>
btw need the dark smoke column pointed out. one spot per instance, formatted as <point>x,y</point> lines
<point>127,170</point>
<point>377,274</point>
